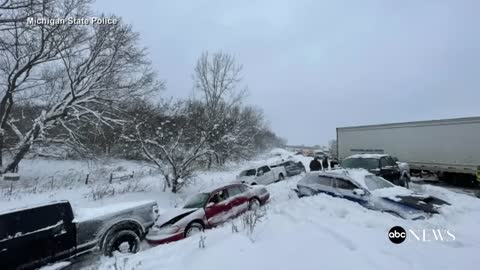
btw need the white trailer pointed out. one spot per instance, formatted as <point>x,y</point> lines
<point>450,146</point>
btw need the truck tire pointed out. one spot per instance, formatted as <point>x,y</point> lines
<point>123,241</point>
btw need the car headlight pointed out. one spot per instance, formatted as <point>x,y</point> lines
<point>157,230</point>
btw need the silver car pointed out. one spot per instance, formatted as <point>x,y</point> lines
<point>370,191</point>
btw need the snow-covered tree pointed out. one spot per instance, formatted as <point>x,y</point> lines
<point>170,138</point>
<point>77,73</point>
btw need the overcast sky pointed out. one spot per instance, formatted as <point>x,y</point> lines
<point>316,65</point>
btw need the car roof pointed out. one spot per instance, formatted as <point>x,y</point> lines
<point>221,187</point>
<point>356,176</point>
<point>378,156</point>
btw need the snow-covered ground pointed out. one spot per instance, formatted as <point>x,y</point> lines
<point>309,233</point>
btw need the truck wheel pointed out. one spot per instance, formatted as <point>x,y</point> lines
<point>124,241</point>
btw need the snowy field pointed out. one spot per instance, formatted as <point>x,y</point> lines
<point>319,232</point>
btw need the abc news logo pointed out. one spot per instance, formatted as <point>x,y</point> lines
<point>398,235</point>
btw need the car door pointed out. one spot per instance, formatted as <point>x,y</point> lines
<point>238,200</point>
<point>345,189</point>
<point>389,169</point>
<point>218,208</point>
<point>323,184</point>
<point>264,175</point>
<point>290,168</point>
<point>314,184</point>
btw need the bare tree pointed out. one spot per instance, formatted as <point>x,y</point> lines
<point>79,73</point>
<point>217,78</point>
<point>170,139</point>
<point>15,11</point>
<point>26,49</point>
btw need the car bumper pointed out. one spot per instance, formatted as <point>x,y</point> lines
<point>164,239</point>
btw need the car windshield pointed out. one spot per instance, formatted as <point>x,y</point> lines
<point>251,172</point>
<point>374,182</point>
<point>197,201</point>
<point>361,163</point>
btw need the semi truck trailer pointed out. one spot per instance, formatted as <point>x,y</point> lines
<point>449,148</point>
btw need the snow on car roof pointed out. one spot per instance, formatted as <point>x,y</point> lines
<point>213,189</point>
<point>368,156</point>
<point>357,175</point>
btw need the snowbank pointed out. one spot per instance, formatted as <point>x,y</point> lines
<point>322,232</point>
<point>319,232</point>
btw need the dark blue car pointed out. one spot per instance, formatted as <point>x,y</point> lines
<point>370,191</point>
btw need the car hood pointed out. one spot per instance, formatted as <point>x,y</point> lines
<point>172,214</point>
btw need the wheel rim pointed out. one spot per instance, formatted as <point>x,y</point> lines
<point>193,230</point>
<point>126,245</point>
<point>254,205</point>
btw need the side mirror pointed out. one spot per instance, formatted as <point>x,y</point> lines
<point>359,192</point>
<point>210,204</point>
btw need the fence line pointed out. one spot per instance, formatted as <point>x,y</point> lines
<point>50,184</point>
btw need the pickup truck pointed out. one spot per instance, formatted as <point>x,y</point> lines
<point>34,236</point>
<point>381,165</point>
<point>263,175</point>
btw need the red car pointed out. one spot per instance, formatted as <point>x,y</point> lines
<point>206,210</point>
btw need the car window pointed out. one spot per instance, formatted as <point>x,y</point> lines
<point>251,172</point>
<point>318,179</point>
<point>373,182</point>
<point>344,184</point>
<point>391,161</point>
<point>360,163</point>
<point>197,201</point>
<point>386,162</point>
<point>243,188</point>
<point>234,191</point>
<point>326,181</point>
<point>219,196</point>
<point>265,169</point>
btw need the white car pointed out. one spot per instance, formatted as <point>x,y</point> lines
<point>263,175</point>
